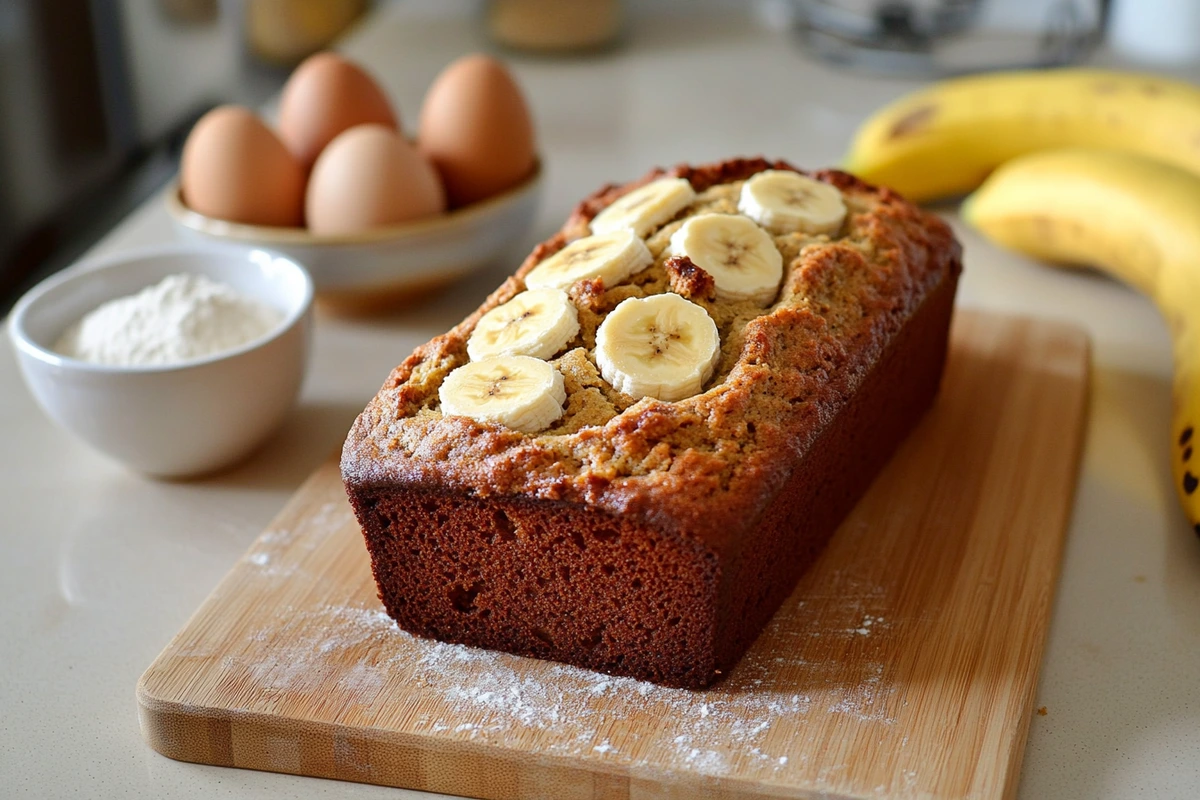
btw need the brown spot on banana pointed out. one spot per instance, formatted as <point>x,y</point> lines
<point>1186,481</point>
<point>912,122</point>
<point>1045,226</point>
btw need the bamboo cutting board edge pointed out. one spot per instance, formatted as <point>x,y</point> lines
<point>193,732</point>
<point>157,716</point>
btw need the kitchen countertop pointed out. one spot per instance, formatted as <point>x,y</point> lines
<point>99,567</point>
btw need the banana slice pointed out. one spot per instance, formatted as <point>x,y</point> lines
<point>612,257</point>
<point>537,323</point>
<point>524,393</point>
<point>660,346</point>
<point>785,202</point>
<point>741,257</point>
<point>646,208</point>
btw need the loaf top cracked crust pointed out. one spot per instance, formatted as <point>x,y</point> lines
<point>704,467</point>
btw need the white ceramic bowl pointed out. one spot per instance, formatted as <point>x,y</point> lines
<point>169,421</point>
<point>387,267</point>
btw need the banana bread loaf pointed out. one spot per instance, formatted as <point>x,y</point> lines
<point>626,457</point>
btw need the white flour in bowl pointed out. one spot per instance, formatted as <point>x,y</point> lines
<point>180,318</point>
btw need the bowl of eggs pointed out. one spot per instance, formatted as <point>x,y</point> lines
<point>379,220</point>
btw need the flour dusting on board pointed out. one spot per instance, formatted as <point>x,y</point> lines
<point>485,696</point>
<point>265,554</point>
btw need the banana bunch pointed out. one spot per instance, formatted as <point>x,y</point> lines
<point>944,140</point>
<point>1086,167</point>
<point>662,346</point>
<point>1136,218</point>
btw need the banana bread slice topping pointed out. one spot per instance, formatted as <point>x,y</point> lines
<point>612,257</point>
<point>645,208</point>
<point>783,202</point>
<point>660,346</point>
<point>538,323</point>
<point>520,392</point>
<point>741,257</point>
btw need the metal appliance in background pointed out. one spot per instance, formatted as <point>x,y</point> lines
<point>97,96</point>
<point>942,37</point>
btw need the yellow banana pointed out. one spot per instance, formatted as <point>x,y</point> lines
<point>944,140</point>
<point>1136,218</point>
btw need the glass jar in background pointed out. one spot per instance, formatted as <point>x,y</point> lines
<point>941,37</point>
<point>285,32</point>
<point>554,26</point>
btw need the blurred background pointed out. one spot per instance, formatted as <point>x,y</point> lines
<point>96,96</point>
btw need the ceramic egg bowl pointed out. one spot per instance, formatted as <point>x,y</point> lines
<point>388,267</point>
<point>179,420</point>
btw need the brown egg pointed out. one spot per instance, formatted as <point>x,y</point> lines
<point>326,95</point>
<point>235,168</point>
<point>369,177</point>
<point>476,129</point>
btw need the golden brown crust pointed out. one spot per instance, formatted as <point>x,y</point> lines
<point>705,466</point>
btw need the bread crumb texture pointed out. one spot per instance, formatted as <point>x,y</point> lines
<point>784,371</point>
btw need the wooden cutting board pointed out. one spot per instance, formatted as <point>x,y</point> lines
<point>903,666</point>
